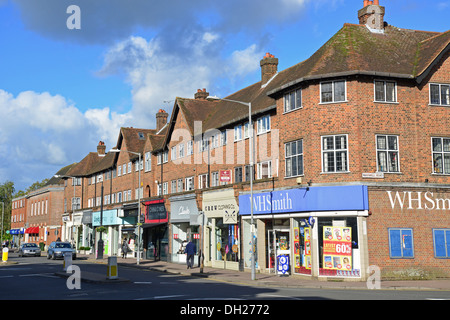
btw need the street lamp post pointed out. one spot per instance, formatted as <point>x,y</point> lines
<point>139,202</point>
<point>251,146</point>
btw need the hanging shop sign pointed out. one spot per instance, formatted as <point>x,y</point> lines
<point>337,248</point>
<point>332,198</point>
<point>225,175</point>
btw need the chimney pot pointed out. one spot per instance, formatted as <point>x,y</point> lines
<point>269,67</point>
<point>161,119</point>
<point>201,94</point>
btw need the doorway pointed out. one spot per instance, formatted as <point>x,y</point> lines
<point>279,251</point>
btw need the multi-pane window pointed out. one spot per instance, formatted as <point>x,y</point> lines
<point>238,174</point>
<point>148,162</point>
<point>223,137</point>
<point>238,132</point>
<point>293,100</point>
<point>385,91</point>
<point>214,179</point>
<point>180,185</point>
<point>387,153</point>
<point>173,185</point>
<point>332,91</point>
<point>440,94</point>
<point>190,148</point>
<point>76,203</point>
<point>441,155</point>
<point>173,153</point>
<point>203,181</point>
<point>189,183</point>
<point>334,153</point>
<point>294,158</point>
<point>265,170</point>
<point>263,124</point>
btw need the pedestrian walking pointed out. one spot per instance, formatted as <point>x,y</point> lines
<point>190,251</point>
<point>124,248</point>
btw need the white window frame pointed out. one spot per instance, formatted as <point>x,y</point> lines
<point>335,151</point>
<point>260,169</point>
<point>189,183</point>
<point>387,153</point>
<point>440,94</point>
<point>384,91</point>
<point>288,156</point>
<point>181,150</point>
<point>173,153</point>
<point>238,132</point>
<point>333,84</point>
<point>296,95</point>
<point>442,153</point>
<point>215,179</point>
<point>148,162</point>
<point>263,124</point>
<point>203,181</point>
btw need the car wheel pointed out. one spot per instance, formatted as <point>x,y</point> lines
<point>53,257</point>
<point>48,255</point>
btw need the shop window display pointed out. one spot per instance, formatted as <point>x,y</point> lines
<point>226,239</point>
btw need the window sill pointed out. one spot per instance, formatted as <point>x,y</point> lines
<point>439,105</point>
<point>386,102</point>
<point>333,102</point>
<point>293,110</point>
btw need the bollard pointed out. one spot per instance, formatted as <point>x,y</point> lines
<point>5,254</point>
<point>112,273</point>
<point>67,260</point>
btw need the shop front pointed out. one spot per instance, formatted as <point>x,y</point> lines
<point>128,233</point>
<point>316,231</point>
<point>112,222</point>
<point>409,230</point>
<point>221,235</point>
<point>87,239</point>
<point>185,221</point>
<point>156,230</point>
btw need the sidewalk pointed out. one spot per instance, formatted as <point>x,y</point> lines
<point>261,279</point>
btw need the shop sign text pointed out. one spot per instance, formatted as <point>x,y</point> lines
<point>418,200</point>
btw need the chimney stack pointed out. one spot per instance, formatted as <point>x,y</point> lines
<point>372,16</point>
<point>269,67</point>
<point>161,119</point>
<point>101,148</point>
<point>201,94</point>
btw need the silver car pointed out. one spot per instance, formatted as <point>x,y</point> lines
<point>58,249</point>
<point>29,249</point>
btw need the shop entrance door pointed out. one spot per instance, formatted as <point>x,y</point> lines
<point>279,251</point>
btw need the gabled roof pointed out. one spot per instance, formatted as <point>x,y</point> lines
<point>85,166</point>
<point>134,138</point>
<point>399,53</point>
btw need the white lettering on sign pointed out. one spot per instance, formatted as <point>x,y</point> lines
<point>266,203</point>
<point>418,200</point>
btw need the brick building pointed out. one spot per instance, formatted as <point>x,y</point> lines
<point>350,170</point>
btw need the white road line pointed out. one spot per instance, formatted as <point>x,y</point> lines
<point>142,282</point>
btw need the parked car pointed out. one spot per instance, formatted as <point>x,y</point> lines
<point>29,249</point>
<point>58,249</point>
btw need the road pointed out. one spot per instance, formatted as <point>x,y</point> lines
<point>34,278</point>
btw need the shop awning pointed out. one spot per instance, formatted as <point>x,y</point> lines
<point>32,230</point>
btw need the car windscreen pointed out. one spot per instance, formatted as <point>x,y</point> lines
<point>30,245</point>
<point>63,245</point>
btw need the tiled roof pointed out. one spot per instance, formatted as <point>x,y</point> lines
<point>400,53</point>
<point>85,166</point>
<point>54,180</point>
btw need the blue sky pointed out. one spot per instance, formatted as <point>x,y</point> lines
<point>62,91</point>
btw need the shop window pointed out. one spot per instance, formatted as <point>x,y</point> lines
<point>441,243</point>
<point>226,241</point>
<point>401,244</point>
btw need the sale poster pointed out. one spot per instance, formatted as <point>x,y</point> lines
<point>337,248</point>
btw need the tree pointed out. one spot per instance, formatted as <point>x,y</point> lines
<point>6,195</point>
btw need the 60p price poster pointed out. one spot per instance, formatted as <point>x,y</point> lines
<point>337,248</point>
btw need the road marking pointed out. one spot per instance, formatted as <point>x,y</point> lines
<point>172,296</point>
<point>142,282</point>
<point>1,277</point>
<point>45,275</point>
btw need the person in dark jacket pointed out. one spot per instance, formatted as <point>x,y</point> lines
<point>190,251</point>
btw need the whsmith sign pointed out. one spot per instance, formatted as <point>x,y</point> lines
<point>303,200</point>
<point>418,200</point>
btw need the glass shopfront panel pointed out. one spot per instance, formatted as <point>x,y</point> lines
<point>227,241</point>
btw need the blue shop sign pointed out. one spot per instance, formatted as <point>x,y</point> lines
<point>335,198</point>
<point>110,218</point>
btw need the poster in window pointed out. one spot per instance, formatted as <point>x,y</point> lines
<point>337,248</point>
